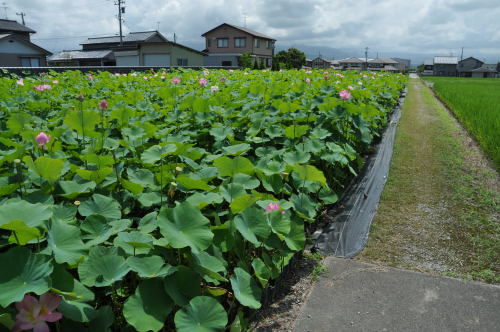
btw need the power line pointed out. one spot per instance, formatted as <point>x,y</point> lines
<point>73,37</point>
<point>22,16</point>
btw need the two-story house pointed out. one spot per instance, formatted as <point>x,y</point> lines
<point>226,43</point>
<point>16,48</point>
<point>445,65</point>
<point>466,66</point>
<point>145,48</point>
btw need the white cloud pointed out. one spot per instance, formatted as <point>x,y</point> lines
<point>388,26</point>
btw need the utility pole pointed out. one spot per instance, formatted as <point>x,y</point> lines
<point>366,58</point>
<point>462,54</point>
<point>121,10</point>
<point>22,16</point>
<point>5,7</point>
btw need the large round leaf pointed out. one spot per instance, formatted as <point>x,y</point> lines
<point>149,307</point>
<point>183,285</point>
<point>107,207</point>
<point>150,266</point>
<point>245,289</point>
<point>103,267</point>
<point>185,226</point>
<point>231,167</point>
<point>202,314</point>
<point>253,225</point>
<point>23,272</point>
<point>33,215</point>
<point>66,243</point>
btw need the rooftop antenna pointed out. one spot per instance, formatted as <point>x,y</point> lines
<point>4,6</point>
<point>121,10</point>
<point>366,58</point>
<point>462,54</point>
<point>22,16</point>
<point>175,38</point>
<point>245,19</point>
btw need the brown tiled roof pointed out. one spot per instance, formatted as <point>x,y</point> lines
<point>249,31</point>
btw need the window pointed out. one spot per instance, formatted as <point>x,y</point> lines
<point>240,42</point>
<point>182,62</point>
<point>222,42</point>
<point>208,42</point>
<point>256,43</point>
<point>268,44</point>
<point>30,62</point>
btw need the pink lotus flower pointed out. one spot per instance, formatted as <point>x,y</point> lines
<point>350,87</point>
<point>344,94</point>
<point>214,88</point>
<point>325,73</point>
<point>20,81</point>
<point>231,70</point>
<point>308,72</point>
<point>272,207</point>
<point>162,77</point>
<point>203,81</point>
<point>133,74</point>
<point>90,77</point>
<point>42,87</point>
<point>34,314</point>
<point>42,139</point>
<point>360,83</point>
<point>206,72</point>
<point>103,104</point>
<point>308,80</point>
<point>365,76</point>
<point>340,75</point>
<point>223,79</point>
<point>326,78</point>
<point>55,81</point>
<point>175,80</point>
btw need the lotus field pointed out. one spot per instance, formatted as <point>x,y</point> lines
<point>169,201</point>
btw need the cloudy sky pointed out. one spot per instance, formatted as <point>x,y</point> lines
<point>336,29</point>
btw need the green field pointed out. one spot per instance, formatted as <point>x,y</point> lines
<point>476,103</point>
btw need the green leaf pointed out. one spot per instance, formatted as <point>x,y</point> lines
<point>245,289</point>
<point>48,168</point>
<point>99,230</point>
<point>247,181</point>
<point>200,200</point>
<point>156,152</point>
<point>310,173</point>
<point>328,196</point>
<point>97,176</point>
<point>231,191</point>
<point>134,188</point>
<point>150,266</point>
<point>211,266</point>
<point>103,267</point>
<point>21,233</point>
<point>65,284</point>
<point>33,215</point>
<point>103,319</point>
<point>231,167</point>
<point>134,242</point>
<point>262,272</point>
<point>185,226</point>
<point>183,285</point>
<point>236,150</point>
<point>82,121</point>
<point>296,157</point>
<point>149,307</point>
<point>189,183</point>
<point>77,311</point>
<point>107,207</point>
<point>65,242</point>
<point>304,205</point>
<point>279,222</point>
<point>73,189</point>
<point>202,314</point>
<point>252,224</point>
<point>7,321</point>
<point>23,272</point>
<point>243,202</point>
<point>296,131</point>
<point>148,224</point>
<point>221,133</point>
<point>296,238</point>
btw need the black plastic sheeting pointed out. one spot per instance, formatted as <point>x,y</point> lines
<point>347,233</point>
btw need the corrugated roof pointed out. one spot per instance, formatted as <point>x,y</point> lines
<point>249,31</point>
<point>131,37</point>
<point>429,62</point>
<point>383,60</point>
<point>446,60</point>
<point>10,25</point>
<point>485,69</point>
<point>351,60</point>
<point>78,55</point>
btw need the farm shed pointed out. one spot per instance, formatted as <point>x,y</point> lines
<point>485,71</point>
<point>83,58</point>
<point>16,48</point>
<point>445,65</point>
<point>466,66</point>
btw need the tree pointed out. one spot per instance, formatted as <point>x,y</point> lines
<point>292,58</point>
<point>245,60</point>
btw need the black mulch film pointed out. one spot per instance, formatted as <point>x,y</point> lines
<point>347,233</point>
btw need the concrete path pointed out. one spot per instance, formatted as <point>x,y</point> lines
<point>356,296</point>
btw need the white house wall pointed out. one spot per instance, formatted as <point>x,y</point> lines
<point>16,47</point>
